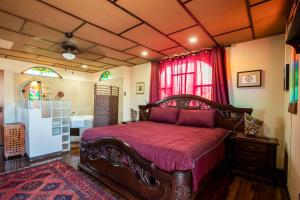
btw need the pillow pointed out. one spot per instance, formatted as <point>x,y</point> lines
<point>252,125</point>
<point>166,115</point>
<point>198,118</point>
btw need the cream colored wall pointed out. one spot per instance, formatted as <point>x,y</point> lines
<point>130,76</point>
<point>139,73</point>
<point>267,101</point>
<point>80,93</point>
<point>70,80</point>
<point>127,93</point>
<point>19,66</point>
<point>124,74</point>
<point>294,160</point>
<point>9,100</point>
<point>292,142</point>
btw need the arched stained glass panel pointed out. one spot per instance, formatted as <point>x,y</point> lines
<point>42,71</point>
<point>35,90</point>
<point>105,76</point>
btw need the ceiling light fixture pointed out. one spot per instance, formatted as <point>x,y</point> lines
<point>144,53</point>
<point>84,66</point>
<point>193,40</point>
<point>69,55</point>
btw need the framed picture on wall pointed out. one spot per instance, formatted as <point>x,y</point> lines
<point>140,86</point>
<point>249,78</point>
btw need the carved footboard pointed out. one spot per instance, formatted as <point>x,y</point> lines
<point>120,167</point>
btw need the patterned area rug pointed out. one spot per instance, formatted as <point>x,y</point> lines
<point>55,180</point>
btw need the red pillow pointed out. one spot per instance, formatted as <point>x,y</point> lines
<point>198,118</point>
<point>166,115</point>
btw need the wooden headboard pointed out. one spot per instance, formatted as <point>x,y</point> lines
<point>227,117</point>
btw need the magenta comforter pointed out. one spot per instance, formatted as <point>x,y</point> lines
<point>169,147</point>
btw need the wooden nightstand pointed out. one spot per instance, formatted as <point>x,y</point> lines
<point>254,157</point>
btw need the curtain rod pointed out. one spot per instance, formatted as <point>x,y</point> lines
<point>185,54</point>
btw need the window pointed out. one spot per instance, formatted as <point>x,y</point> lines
<point>35,90</point>
<point>294,94</point>
<point>105,76</point>
<point>42,71</point>
<point>191,75</point>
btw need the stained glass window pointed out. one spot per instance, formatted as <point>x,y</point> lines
<point>105,76</point>
<point>294,93</point>
<point>42,71</point>
<point>35,90</point>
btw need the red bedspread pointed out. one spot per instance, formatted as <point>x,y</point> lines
<point>170,147</point>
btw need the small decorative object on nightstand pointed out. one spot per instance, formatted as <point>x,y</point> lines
<point>254,157</point>
<point>252,125</point>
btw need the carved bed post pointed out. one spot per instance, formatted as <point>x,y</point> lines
<point>182,186</point>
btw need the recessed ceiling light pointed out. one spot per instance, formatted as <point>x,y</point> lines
<point>84,66</point>
<point>144,53</point>
<point>193,39</point>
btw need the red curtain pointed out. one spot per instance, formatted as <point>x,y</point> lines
<point>219,77</point>
<point>202,74</point>
<point>154,82</point>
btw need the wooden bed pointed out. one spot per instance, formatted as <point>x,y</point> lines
<point>138,178</point>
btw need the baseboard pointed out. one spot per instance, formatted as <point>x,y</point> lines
<point>58,153</point>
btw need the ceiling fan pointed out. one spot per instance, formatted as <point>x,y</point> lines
<point>70,49</point>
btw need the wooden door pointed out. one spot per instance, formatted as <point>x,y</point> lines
<point>1,105</point>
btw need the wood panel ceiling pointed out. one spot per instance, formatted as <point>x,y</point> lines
<point>112,33</point>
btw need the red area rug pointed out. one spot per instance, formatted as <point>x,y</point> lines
<point>55,180</point>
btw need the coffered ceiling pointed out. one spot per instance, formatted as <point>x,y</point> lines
<point>112,33</point>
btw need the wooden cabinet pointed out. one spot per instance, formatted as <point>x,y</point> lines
<point>14,139</point>
<point>254,157</point>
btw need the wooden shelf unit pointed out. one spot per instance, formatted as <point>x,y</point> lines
<point>61,111</point>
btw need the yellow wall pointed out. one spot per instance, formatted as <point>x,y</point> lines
<point>267,101</point>
<point>292,142</point>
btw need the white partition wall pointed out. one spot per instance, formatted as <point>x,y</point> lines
<point>47,127</point>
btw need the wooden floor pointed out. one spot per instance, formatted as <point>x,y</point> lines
<point>223,186</point>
